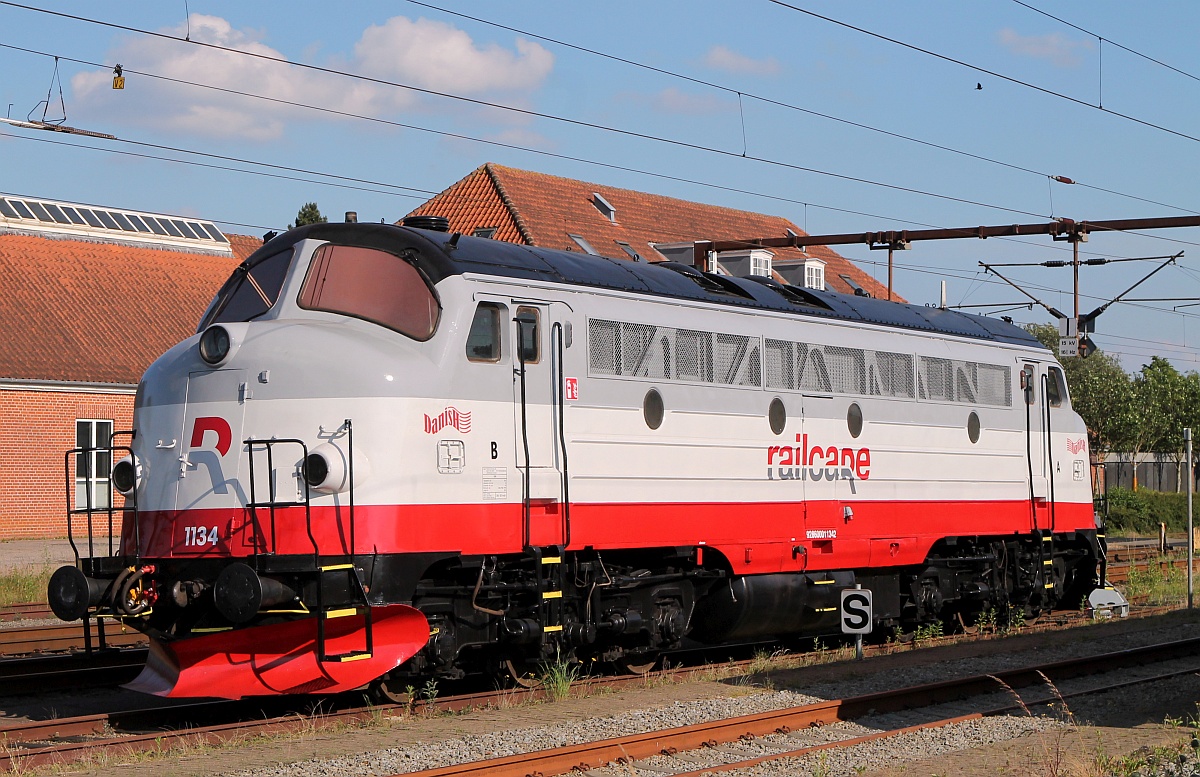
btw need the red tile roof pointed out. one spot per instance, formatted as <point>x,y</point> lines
<point>542,210</point>
<point>100,312</point>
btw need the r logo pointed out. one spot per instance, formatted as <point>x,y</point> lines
<point>212,424</point>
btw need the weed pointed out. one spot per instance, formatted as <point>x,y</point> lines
<point>987,621</point>
<point>927,631</point>
<point>25,584</point>
<point>429,693</point>
<point>558,676</point>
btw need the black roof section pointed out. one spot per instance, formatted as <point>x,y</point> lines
<point>441,254</point>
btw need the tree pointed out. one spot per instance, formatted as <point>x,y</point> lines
<point>1162,395</point>
<point>309,214</point>
<point>1101,392</point>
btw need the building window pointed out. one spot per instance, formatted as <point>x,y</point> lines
<point>488,232</point>
<point>584,244</point>
<point>814,274</point>
<point>760,263</point>
<point>93,465</point>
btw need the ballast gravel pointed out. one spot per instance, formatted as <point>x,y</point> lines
<point>819,683</point>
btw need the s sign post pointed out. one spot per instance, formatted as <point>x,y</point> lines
<point>857,615</point>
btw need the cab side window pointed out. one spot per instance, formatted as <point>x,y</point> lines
<point>528,330</point>
<point>1056,387</point>
<point>483,341</point>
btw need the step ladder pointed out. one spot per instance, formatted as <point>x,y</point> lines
<point>550,572</point>
<point>326,612</point>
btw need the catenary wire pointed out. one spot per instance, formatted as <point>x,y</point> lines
<point>1110,41</point>
<point>532,113</point>
<point>787,105</point>
<point>511,146</point>
<point>979,69</point>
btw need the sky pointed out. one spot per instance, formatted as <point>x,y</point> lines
<point>882,116</point>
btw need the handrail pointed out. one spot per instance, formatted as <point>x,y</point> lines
<point>559,395</point>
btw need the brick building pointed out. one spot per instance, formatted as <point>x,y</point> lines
<point>91,296</point>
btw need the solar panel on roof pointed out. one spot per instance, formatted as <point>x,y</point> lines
<point>124,222</point>
<point>39,212</point>
<point>137,222</point>
<point>216,234</point>
<point>49,216</point>
<point>90,217</point>
<point>57,214</point>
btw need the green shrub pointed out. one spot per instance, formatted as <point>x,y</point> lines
<point>1140,512</point>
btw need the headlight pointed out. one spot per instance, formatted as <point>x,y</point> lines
<point>215,344</point>
<point>126,475</point>
<point>327,470</point>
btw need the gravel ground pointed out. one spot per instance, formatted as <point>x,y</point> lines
<point>1015,742</point>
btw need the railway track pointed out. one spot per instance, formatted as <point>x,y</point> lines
<point>676,751</point>
<point>64,740</point>
<point>28,640</point>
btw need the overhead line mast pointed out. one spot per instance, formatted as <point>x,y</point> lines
<point>1075,232</point>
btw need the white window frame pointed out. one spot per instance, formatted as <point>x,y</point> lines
<point>99,487</point>
<point>814,274</point>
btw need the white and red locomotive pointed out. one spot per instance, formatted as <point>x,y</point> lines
<point>394,453</point>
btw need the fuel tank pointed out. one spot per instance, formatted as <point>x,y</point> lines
<point>756,606</point>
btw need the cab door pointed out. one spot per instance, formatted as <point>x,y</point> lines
<point>1034,384</point>
<point>537,408</point>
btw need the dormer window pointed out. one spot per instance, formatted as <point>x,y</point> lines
<point>814,273</point>
<point>748,261</point>
<point>605,207</point>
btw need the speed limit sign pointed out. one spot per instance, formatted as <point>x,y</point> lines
<point>856,612</point>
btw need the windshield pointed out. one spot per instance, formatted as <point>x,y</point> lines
<point>373,285</point>
<point>250,291</point>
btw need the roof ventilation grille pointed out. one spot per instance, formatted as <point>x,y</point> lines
<point>434,223</point>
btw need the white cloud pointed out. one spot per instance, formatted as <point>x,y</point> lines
<point>1060,50</point>
<point>427,54</point>
<point>725,58</point>
<point>434,55</point>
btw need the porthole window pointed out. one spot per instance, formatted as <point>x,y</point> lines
<point>777,415</point>
<point>854,419</point>
<point>652,409</point>
<point>973,426</point>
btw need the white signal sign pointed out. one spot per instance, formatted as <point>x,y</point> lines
<point>1068,346</point>
<point>857,613</point>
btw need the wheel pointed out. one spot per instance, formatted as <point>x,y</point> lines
<point>636,663</point>
<point>389,691</point>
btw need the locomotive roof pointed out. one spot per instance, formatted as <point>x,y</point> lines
<point>440,255</point>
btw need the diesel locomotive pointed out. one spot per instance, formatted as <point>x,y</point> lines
<point>391,453</point>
